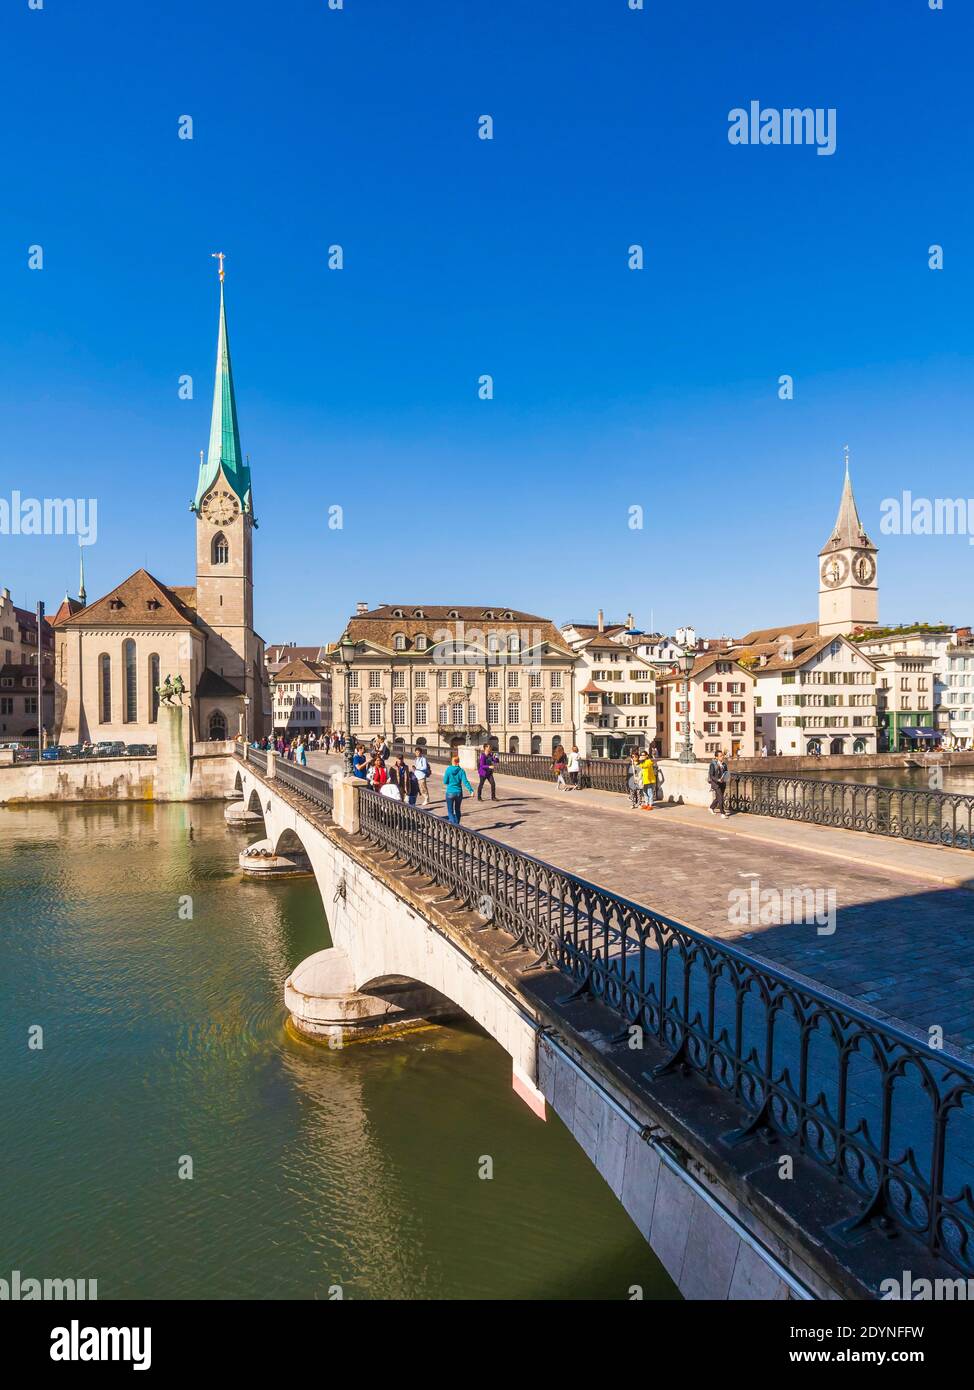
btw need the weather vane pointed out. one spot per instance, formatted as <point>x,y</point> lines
<point>219,256</point>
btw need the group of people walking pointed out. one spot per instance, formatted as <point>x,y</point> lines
<point>644,780</point>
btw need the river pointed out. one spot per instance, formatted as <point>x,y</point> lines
<point>156,974</point>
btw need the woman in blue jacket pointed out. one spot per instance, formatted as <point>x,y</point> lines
<point>454,780</point>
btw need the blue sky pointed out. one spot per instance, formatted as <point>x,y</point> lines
<point>612,388</point>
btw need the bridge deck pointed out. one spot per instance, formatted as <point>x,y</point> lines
<point>903,943</point>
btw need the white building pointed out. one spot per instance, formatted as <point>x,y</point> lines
<point>814,694</point>
<point>958,698</point>
<point>302,698</point>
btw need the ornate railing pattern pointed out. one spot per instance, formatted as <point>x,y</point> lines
<point>602,774</point>
<point>307,781</point>
<point>933,817</point>
<point>887,1116</point>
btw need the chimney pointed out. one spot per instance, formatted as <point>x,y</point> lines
<point>361,607</point>
<point>601,621</point>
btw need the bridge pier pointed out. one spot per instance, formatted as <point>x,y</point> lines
<point>325,1005</point>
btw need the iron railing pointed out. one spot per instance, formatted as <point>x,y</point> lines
<point>307,781</point>
<point>601,774</point>
<point>887,1116</point>
<point>932,817</point>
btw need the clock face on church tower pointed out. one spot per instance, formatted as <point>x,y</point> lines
<point>220,507</point>
<point>864,568</point>
<point>834,570</point>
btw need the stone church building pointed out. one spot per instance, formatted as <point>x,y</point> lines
<point>110,655</point>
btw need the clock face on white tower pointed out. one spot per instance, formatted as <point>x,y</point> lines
<point>220,507</point>
<point>864,568</point>
<point>834,570</point>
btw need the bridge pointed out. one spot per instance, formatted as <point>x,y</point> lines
<point>769,1136</point>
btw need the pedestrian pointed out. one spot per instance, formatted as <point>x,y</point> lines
<point>559,763</point>
<point>390,788</point>
<point>455,781</point>
<point>574,769</point>
<point>412,786</point>
<point>485,771</point>
<point>360,764</point>
<point>647,771</point>
<point>422,770</point>
<point>634,781</point>
<point>379,775</point>
<point>399,773</point>
<point>717,777</point>
<point>301,753</point>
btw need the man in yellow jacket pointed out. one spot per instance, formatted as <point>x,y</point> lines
<point>647,769</point>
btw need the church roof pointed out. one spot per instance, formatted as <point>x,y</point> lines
<point>141,601</point>
<point>69,606</point>
<point>848,531</point>
<point>224,450</point>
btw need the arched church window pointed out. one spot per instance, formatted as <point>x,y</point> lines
<point>105,687</point>
<point>154,687</point>
<point>131,684</point>
<point>221,550</point>
<point>218,724</point>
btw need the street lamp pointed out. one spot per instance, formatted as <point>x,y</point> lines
<point>469,683</point>
<point>687,639</point>
<point>346,652</point>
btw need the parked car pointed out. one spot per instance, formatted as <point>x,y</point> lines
<point>139,750</point>
<point>108,749</point>
<point>56,753</point>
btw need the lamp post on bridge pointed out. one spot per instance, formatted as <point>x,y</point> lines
<point>346,651</point>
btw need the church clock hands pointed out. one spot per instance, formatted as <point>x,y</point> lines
<point>220,508</point>
<point>864,568</point>
<point>834,571</point>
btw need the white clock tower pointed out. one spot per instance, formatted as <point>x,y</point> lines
<point>848,591</point>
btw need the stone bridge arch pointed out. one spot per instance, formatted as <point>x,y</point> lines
<point>385,934</point>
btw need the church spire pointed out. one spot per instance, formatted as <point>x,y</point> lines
<point>848,531</point>
<point>224,450</point>
<point>82,596</point>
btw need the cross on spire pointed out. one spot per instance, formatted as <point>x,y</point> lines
<point>221,257</point>
<point>845,450</point>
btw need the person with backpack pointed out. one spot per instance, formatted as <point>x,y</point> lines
<point>486,763</point>
<point>574,769</point>
<point>717,775</point>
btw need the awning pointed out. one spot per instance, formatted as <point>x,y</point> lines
<point>921,733</point>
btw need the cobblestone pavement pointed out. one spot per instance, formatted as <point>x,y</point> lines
<point>901,944</point>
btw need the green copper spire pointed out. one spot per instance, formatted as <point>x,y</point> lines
<point>224,451</point>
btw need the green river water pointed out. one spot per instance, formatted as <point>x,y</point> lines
<point>164,1037</point>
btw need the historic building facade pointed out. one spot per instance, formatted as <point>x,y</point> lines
<point>720,709</point>
<point>430,675</point>
<point>615,707</point>
<point>112,654</point>
<point>301,692</point>
<point>813,694</point>
<point>20,702</point>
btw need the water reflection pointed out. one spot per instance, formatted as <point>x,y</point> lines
<point>164,1037</point>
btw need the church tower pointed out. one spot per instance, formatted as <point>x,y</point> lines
<point>848,593</point>
<point>223,506</point>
